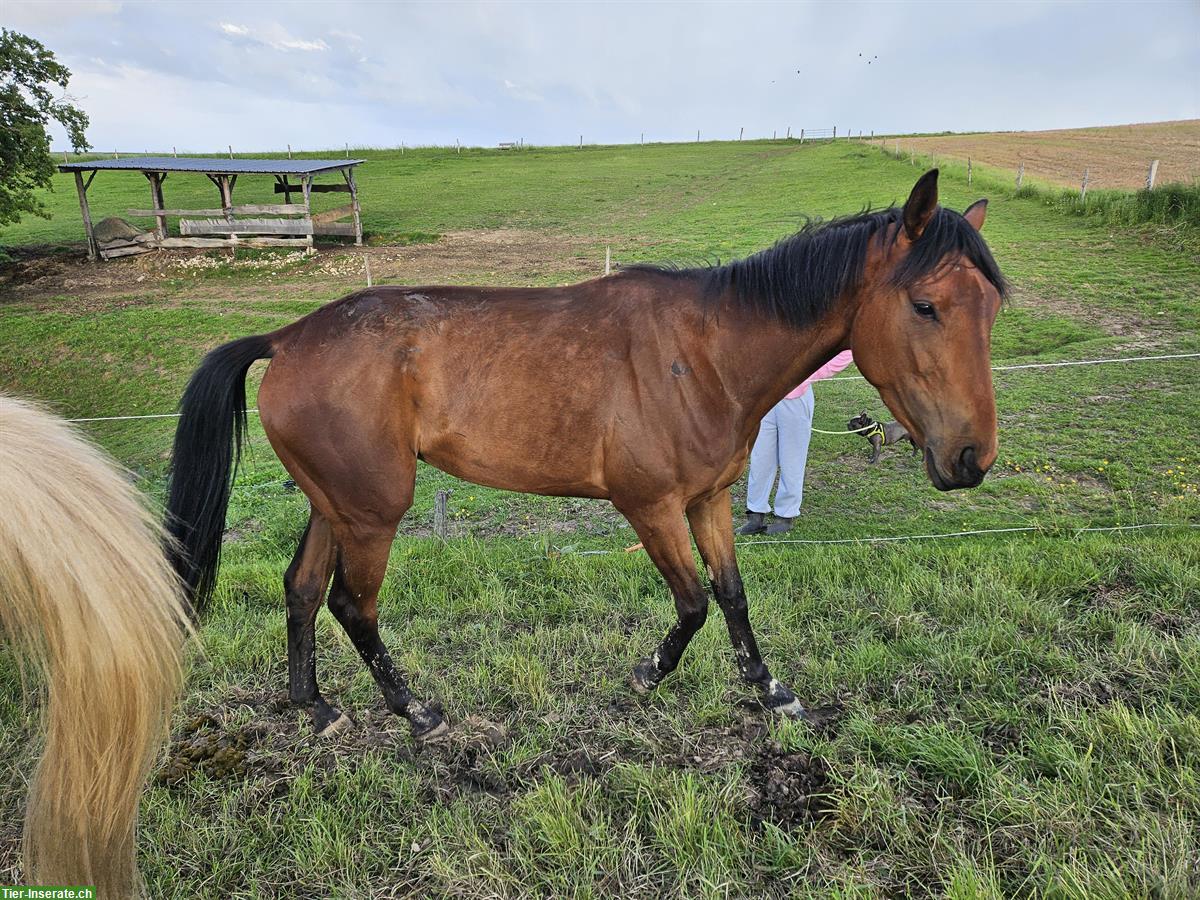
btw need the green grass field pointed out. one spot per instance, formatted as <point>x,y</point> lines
<point>1018,713</point>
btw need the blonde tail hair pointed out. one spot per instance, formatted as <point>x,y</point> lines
<point>86,597</point>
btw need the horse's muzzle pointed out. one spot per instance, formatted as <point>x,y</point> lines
<point>964,473</point>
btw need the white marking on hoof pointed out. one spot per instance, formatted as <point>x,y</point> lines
<point>793,709</point>
<point>639,686</point>
<point>341,723</point>
<point>437,733</point>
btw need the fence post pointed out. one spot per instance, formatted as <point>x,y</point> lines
<point>1083,187</point>
<point>774,134</point>
<point>643,137</point>
<point>968,171</point>
<point>1020,175</point>
<point>439,514</point>
<point>789,132</point>
<point>608,260</point>
<point>231,151</point>
<point>1150,176</point>
<point>741,131</point>
<point>912,155</point>
<point>802,135</point>
<point>697,135</point>
<point>289,151</point>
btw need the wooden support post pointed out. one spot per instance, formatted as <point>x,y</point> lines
<point>968,171</point>
<point>289,151</point>
<point>225,184</point>
<point>697,135</point>
<point>283,187</point>
<point>307,183</point>
<point>741,131</point>
<point>835,132</point>
<point>1151,175</point>
<point>801,134</point>
<point>1083,187</point>
<point>93,250</point>
<point>349,173</point>
<point>156,195</point>
<point>439,514</point>
<point>1020,174</point>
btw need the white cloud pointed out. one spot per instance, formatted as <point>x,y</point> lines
<point>548,72</point>
<point>295,44</point>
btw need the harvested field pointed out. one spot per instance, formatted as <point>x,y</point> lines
<point>1115,157</point>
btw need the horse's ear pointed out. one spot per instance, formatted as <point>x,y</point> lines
<point>976,213</point>
<point>921,205</point>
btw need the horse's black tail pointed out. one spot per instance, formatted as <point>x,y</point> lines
<point>208,447</point>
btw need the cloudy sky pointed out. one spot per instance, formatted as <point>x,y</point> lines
<point>259,75</point>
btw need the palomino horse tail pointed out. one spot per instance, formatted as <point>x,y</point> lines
<point>88,601</point>
<point>208,446</point>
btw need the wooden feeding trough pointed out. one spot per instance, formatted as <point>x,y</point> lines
<point>285,224</point>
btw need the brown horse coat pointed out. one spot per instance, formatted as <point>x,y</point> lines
<point>645,388</point>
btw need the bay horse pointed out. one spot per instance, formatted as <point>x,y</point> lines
<point>88,600</point>
<point>644,388</point>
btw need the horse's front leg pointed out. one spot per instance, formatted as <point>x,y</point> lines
<point>663,533</point>
<point>712,526</point>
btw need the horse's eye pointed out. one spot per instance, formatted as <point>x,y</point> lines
<point>925,310</point>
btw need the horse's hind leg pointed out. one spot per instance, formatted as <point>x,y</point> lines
<point>362,564</point>
<point>305,583</point>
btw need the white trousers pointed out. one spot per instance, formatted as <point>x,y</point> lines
<point>782,444</point>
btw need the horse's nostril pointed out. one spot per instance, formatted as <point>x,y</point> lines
<point>967,461</point>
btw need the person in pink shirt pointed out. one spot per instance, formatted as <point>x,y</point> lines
<point>782,446</point>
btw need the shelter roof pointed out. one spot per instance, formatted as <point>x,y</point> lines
<point>213,165</point>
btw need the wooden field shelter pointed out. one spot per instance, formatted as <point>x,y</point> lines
<point>285,224</point>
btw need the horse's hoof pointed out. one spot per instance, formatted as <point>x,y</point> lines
<point>793,709</point>
<point>642,679</point>
<point>782,701</point>
<point>342,723</point>
<point>433,733</point>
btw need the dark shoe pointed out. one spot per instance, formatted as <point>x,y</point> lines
<point>780,525</point>
<point>755,523</point>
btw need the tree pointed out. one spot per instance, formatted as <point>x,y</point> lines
<point>28,71</point>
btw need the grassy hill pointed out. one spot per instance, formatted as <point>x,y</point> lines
<point>1018,713</point>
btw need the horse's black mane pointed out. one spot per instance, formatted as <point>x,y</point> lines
<point>800,278</point>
